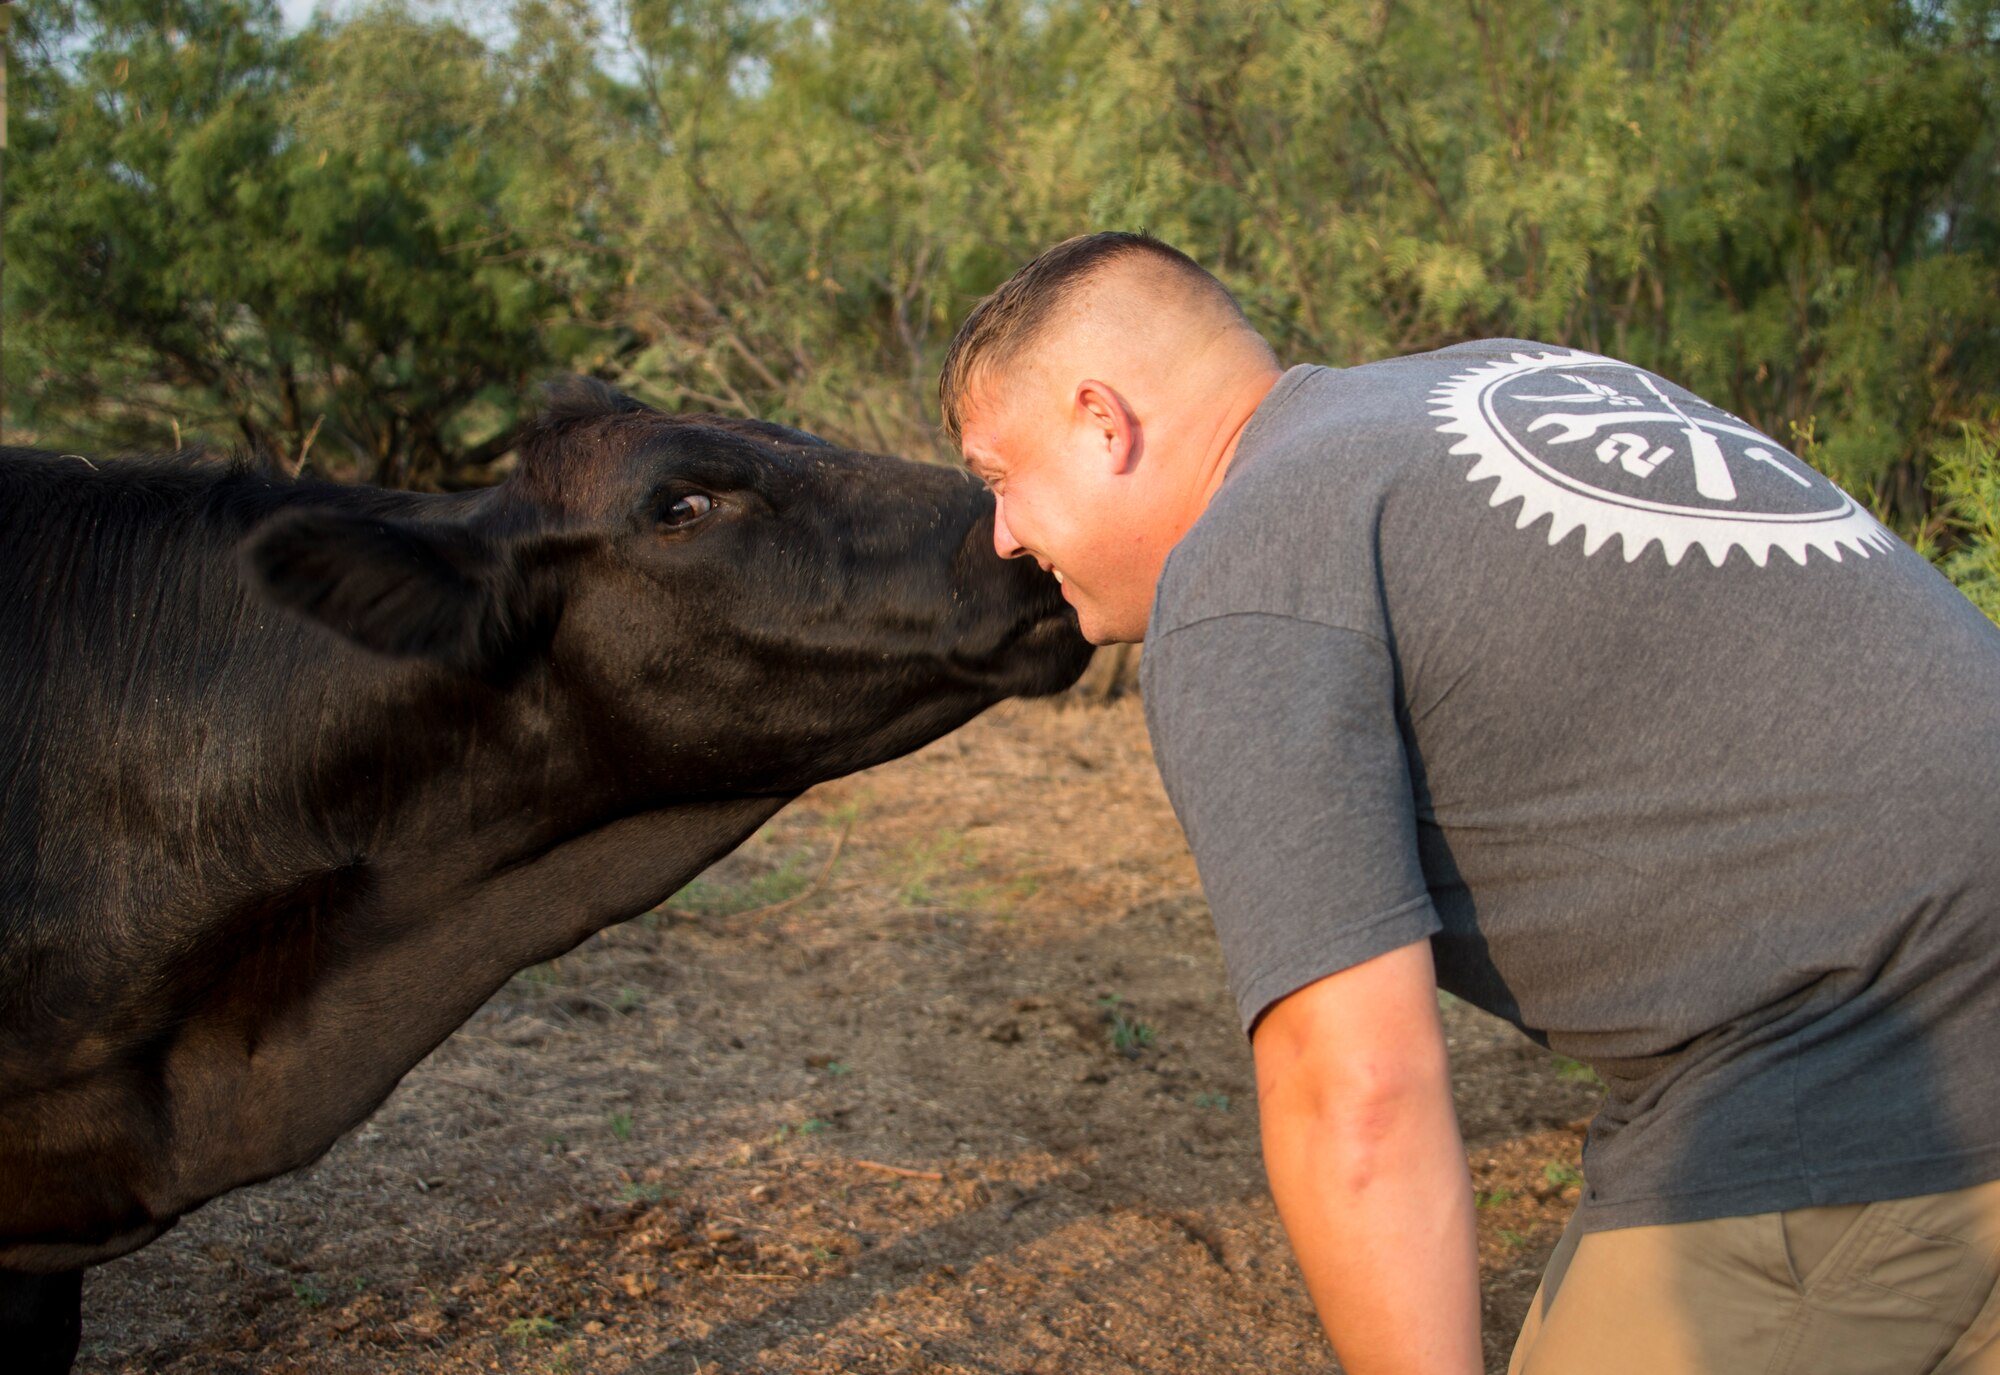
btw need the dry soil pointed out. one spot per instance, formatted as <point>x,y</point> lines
<point>938,1073</point>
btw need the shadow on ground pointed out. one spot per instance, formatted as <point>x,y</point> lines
<point>938,1073</point>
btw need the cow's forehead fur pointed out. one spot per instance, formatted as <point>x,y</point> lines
<point>577,457</point>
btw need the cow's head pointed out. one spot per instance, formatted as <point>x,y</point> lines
<point>730,606</point>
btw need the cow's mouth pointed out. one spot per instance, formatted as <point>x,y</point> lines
<point>1044,656</point>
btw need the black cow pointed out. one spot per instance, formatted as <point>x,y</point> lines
<point>297,774</point>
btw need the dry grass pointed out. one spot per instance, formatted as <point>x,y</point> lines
<point>663,1152</point>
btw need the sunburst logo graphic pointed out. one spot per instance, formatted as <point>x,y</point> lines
<point>1604,447</point>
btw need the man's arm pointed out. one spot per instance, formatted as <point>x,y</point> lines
<point>1365,1162</point>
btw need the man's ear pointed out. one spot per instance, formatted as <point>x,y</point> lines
<point>408,589</point>
<point>1103,409</point>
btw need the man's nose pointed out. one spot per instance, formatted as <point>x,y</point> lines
<point>1004,543</point>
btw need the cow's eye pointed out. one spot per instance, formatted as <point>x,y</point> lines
<point>687,509</point>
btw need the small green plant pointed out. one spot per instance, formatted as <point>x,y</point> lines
<point>1515,1241</point>
<point>538,976</point>
<point>1559,1174</point>
<point>1218,1102</point>
<point>309,1291</point>
<point>1490,1198</point>
<point>812,1126</point>
<point>1129,1036</point>
<point>942,873</point>
<point>1576,1072</point>
<point>997,899</point>
<point>628,998</point>
<point>917,870</point>
<point>837,1068</point>
<point>621,1125</point>
<point>642,1193</point>
<point>711,897</point>
<point>523,1331</point>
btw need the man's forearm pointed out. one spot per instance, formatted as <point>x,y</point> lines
<point>1378,1205</point>
<point>1363,1152</point>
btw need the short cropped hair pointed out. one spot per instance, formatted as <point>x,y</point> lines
<point>1001,327</point>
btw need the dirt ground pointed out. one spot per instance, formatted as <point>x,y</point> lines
<point>937,1074</point>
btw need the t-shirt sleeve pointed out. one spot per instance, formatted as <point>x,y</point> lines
<point>1278,743</point>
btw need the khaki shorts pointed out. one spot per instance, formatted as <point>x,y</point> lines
<point>1905,1285</point>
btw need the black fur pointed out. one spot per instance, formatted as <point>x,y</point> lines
<point>401,588</point>
<point>41,1322</point>
<point>296,774</point>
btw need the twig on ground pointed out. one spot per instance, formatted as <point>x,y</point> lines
<point>495,1094</point>
<point>1017,1204</point>
<point>825,873</point>
<point>897,1170</point>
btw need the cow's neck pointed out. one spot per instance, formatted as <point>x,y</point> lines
<point>413,903</point>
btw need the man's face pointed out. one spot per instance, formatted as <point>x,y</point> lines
<point>1066,501</point>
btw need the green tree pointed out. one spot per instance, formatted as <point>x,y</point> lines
<point>818,193</point>
<point>784,210</point>
<point>1787,205</point>
<point>304,239</point>
<point>1815,230</point>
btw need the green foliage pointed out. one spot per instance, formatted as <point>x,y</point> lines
<point>812,1126</point>
<point>1576,1072</point>
<point>925,866</point>
<point>1965,477</point>
<point>784,210</point>
<point>1129,1035</point>
<point>1787,206</point>
<point>526,1331</point>
<point>302,240</point>
<point>712,897</point>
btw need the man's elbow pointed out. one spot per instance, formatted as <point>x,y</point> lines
<point>1355,1120</point>
<point>1353,1079</point>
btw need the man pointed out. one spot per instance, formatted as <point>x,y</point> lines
<point>1523,672</point>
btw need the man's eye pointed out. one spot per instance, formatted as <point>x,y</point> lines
<point>686,510</point>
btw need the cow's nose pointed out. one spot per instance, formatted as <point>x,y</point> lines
<point>1004,543</point>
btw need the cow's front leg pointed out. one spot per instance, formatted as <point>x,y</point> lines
<point>41,1321</point>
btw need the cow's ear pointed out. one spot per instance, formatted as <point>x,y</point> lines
<point>404,588</point>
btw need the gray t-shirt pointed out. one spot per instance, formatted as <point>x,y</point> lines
<point>1684,764</point>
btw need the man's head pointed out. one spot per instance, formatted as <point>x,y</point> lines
<point>1099,393</point>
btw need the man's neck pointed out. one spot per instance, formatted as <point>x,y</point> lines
<point>1239,398</point>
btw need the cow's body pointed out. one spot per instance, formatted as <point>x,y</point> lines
<point>297,775</point>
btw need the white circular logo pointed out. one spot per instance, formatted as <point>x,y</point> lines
<point>1601,446</point>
